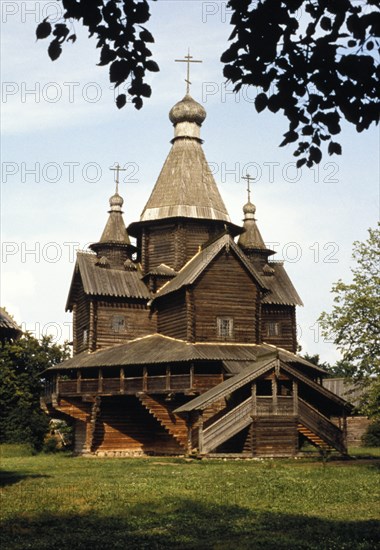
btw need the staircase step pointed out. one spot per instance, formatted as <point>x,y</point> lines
<point>174,424</point>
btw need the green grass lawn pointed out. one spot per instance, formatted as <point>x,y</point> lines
<point>58,502</point>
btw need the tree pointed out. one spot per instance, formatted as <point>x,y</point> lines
<point>318,72</point>
<point>353,324</point>
<point>22,363</point>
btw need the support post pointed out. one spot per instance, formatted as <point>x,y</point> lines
<point>57,380</point>
<point>79,381</point>
<point>192,376</point>
<point>200,432</point>
<point>254,399</point>
<point>167,379</point>
<point>274,394</point>
<point>295,397</point>
<point>145,379</point>
<point>100,381</point>
<point>122,380</point>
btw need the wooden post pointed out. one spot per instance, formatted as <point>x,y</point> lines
<point>122,380</point>
<point>79,380</point>
<point>345,428</point>
<point>254,398</point>
<point>167,379</point>
<point>200,432</point>
<point>295,397</point>
<point>57,384</point>
<point>192,376</point>
<point>75,340</point>
<point>100,381</point>
<point>274,394</point>
<point>145,379</point>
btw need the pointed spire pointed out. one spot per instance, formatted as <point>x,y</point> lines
<point>114,244</point>
<point>251,240</point>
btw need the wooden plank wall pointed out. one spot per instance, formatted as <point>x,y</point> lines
<point>274,436</point>
<point>171,317</point>
<point>285,316</point>
<point>225,289</point>
<point>137,322</point>
<point>82,320</point>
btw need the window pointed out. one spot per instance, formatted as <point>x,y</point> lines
<point>225,327</point>
<point>273,329</point>
<point>118,323</point>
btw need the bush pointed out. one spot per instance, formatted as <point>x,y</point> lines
<point>372,436</point>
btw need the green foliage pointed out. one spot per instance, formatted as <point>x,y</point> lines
<point>372,436</point>
<point>353,323</point>
<point>22,363</point>
<point>160,503</point>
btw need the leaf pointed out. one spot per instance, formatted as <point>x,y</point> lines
<point>138,102</point>
<point>315,154</point>
<point>289,137</point>
<point>106,55</point>
<point>326,23</point>
<point>334,148</point>
<point>54,49</point>
<point>146,36</point>
<point>119,71</point>
<point>152,66</point>
<point>61,31</point>
<point>72,37</point>
<point>261,102</point>
<point>300,162</point>
<point>43,30</point>
<point>121,100</point>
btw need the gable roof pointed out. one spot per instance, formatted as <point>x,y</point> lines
<point>198,263</point>
<point>100,281</point>
<point>281,287</point>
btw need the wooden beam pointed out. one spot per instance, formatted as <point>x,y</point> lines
<point>122,380</point>
<point>79,380</point>
<point>295,397</point>
<point>100,380</point>
<point>254,398</point>
<point>274,395</point>
<point>167,380</point>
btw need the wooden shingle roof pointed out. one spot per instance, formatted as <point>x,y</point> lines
<point>185,187</point>
<point>281,287</point>
<point>103,281</point>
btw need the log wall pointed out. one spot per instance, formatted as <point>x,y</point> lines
<point>171,317</point>
<point>286,318</point>
<point>225,289</point>
<point>137,322</point>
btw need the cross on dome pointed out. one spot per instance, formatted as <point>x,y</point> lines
<point>188,59</point>
<point>117,171</point>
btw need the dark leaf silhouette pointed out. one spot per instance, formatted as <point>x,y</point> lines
<point>54,49</point>
<point>43,30</point>
<point>121,100</point>
<point>319,72</point>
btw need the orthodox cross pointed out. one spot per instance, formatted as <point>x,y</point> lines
<point>188,59</point>
<point>249,179</point>
<point>117,169</point>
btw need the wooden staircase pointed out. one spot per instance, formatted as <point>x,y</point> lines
<point>318,429</point>
<point>171,422</point>
<point>227,426</point>
<point>314,438</point>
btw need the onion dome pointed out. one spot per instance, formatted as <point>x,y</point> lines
<point>187,110</point>
<point>116,203</point>
<point>249,208</point>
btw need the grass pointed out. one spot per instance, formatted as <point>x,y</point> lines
<point>56,501</point>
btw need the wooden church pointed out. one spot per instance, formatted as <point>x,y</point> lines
<point>185,342</point>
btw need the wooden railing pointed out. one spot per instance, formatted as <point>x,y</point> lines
<point>126,385</point>
<point>321,426</point>
<point>283,406</point>
<point>227,426</point>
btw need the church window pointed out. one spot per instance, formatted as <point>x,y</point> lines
<point>225,327</point>
<point>118,323</point>
<point>273,329</point>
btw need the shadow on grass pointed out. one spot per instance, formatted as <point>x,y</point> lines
<point>10,478</point>
<point>187,525</point>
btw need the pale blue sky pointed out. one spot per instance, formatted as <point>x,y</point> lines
<point>69,132</point>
